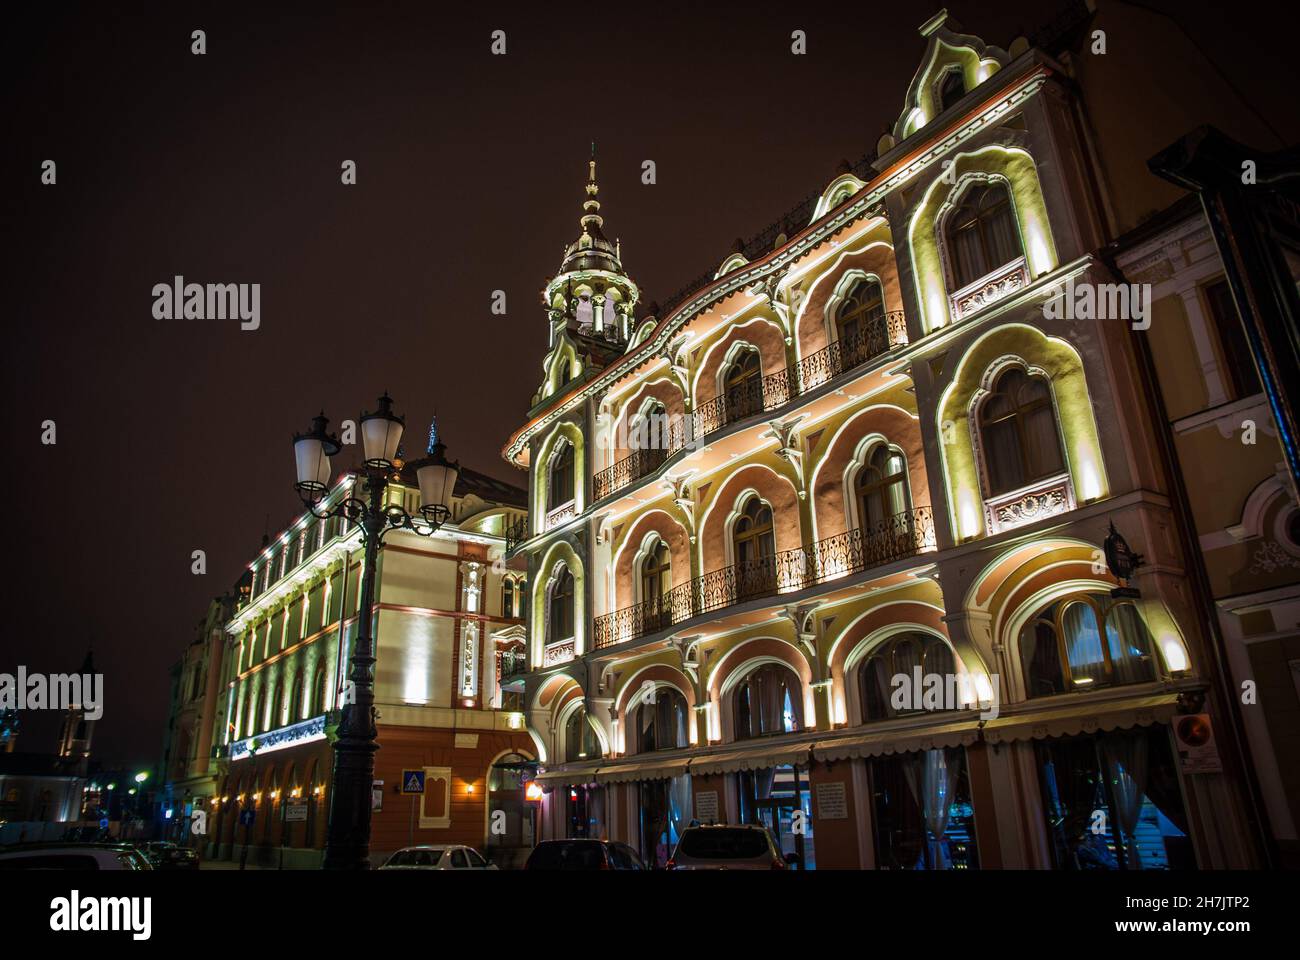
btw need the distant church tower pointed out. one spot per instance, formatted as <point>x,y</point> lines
<point>74,741</point>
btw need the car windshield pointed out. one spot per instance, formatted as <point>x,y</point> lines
<point>719,843</point>
<point>583,855</point>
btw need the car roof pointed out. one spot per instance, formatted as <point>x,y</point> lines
<point>433,846</point>
<point>55,845</point>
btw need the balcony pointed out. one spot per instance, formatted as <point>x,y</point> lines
<point>755,397</point>
<point>893,538</point>
<point>989,289</point>
<point>1045,498</point>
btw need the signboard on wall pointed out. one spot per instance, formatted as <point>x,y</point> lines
<point>1195,738</point>
<point>295,810</point>
<point>832,802</point>
<point>706,806</point>
<point>377,795</point>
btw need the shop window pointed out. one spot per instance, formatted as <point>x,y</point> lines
<point>1019,438</point>
<point>981,233</point>
<point>580,741</point>
<point>1112,802</point>
<point>900,656</point>
<point>662,723</point>
<point>1240,365</point>
<point>664,809</point>
<point>768,701</point>
<point>1084,642</point>
<point>560,477</point>
<point>924,819</point>
<point>771,796</point>
<point>560,607</point>
<point>585,811</point>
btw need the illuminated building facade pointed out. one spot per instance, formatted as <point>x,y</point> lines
<point>826,542</point>
<point>447,623</point>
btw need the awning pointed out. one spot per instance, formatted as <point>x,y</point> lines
<point>879,742</point>
<point>646,769</point>
<point>757,757</point>
<point>1072,719</point>
<point>567,777</point>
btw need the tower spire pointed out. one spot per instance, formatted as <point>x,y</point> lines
<point>591,205</point>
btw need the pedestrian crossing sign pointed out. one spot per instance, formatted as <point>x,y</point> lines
<point>413,781</point>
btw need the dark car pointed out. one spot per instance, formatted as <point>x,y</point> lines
<point>165,855</point>
<point>583,855</point>
<point>745,846</point>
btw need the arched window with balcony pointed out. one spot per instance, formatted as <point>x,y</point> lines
<point>559,477</point>
<point>661,724</point>
<point>880,491</point>
<point>1084,642</point>
<point>860,324</point>
<point>1019,438</point>
<point>559,616</point>
<point>981,233</point>
<point>754,549</point>
<point>655,580</point>
<point>899,656</point>
<point>742,384</point>
<point>580,741</point>
<point>767,701</point>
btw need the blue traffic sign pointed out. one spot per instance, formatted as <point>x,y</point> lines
<point>413,781</point>
<point>246,817</point>
<point>103,824</point>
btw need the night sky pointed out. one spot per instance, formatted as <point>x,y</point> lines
<point>174,435</point>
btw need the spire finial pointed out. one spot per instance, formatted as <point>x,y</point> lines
<point>591,205</point>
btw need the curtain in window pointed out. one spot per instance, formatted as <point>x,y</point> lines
<point>1042,446</point>
<point>679,802</point>
<point>1126,756</point>
<point>1130,645</point>
<point>1041,658</point>
<point>907,655</point>
<point>1002,453</point>
<point>875,689</point>
<point>968,255</point>
<point>771,691</point>
<point>940,768</point>
<point>1001,237</point>
<point>1083,644</point>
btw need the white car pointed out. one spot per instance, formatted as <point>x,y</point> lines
<point>72,856</point>
<point>437,856</point>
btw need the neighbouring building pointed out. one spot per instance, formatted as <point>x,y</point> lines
<point>190,772</point>
<point>447,621</point>
<point>873,536</point>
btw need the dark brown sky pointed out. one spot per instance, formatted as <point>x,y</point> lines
<point>174,435</point>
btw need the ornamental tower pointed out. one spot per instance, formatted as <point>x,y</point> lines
<point>589,302</point>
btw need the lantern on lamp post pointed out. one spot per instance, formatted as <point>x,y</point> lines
<point>347,845</point>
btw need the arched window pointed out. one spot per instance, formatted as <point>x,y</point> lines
<point>250,712</point>
<point>318,691</point>
<point>1084,642</point>
<point>743,385</point>
<point>661,724</point>
<point>755,550</point>
<point>1018,431</point>
<point>560,610</point>
<point>649,430</point>
<point>768,701</point>
<point>656,576</point>
<point>880,488</point>
<point>507,597</point>
<point>277,706</point>
<point>951,89</point>
<point>981,233</point>
<point>560,476</point>
<point>295,699</point>
<point>899,657</point>
<point>860,324</point>
<point>257,721</point>
<point>580,741</point>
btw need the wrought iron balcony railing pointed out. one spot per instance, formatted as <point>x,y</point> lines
<point>891,538</point>
<point>516,534</point>
<point>775,390</point>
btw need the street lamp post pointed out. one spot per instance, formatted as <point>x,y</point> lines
<point>347,845</point>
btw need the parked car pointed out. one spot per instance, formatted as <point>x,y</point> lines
<point>578,854</point>
<point>437,856</point>
<point>165,855</point>
<point>746,846</point>
<point>72,856</point>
